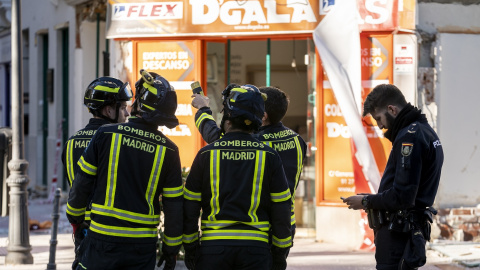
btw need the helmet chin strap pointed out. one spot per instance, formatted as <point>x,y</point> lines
<point>107,118</point>
<point>222,124</point>
<point>135,110</point>
<point>117,110</point>
<point>115,120</point>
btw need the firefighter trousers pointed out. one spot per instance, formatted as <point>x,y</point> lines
<point>99,254</point>
<point>233,258</point>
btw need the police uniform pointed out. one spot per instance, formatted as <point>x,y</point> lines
<point>409,184</point>
<point>239,184</point>
<point>130,165</point>
<point>289,145</point>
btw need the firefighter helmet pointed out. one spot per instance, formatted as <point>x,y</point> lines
<point>157,100</point>
<point>106,91</point>
<point>244,101</point>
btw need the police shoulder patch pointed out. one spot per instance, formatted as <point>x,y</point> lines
<point>412,128</point>
<point>407,149</point>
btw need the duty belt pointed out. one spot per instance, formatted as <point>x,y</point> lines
<point>401,220</point>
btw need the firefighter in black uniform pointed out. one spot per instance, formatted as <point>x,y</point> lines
<point>130,165</point>
<point>106,99</point>
<point>289,145</point>
<point>401,212</point>
<point>239,184</point>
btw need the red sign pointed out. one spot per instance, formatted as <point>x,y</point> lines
<point>403,60</point>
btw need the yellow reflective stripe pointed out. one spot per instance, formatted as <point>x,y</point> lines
<point>172,241</point>
<point>234,235</point>
<point>267,143</point>
<point>190,195</point>
<point>125,215</point>
<point>123,231</point>
<point>190,238</point>
<point>173,192</point>
<point>87,215</point>
<point>281,196</point>
<point>282,243</point>
<point>87,167</point>
<point>292,219</point>
<point>154,176</point>
<point>257,185</point>
<point>219,224</point>
<point>241,90</point>
<point>112,169</point>
<point>202,117</point>
<point>150,88</point>
<point>82,265</point>
<point>149,107</point>
<point>95,99</point>
<point>107,89</point>
<point>299,170</point>
<point>214,183</point>
<point>68,157</point>
<point>75,211</point>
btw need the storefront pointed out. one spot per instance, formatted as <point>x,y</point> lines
<point>268,42</point>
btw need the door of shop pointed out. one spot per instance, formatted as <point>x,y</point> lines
<point>245,61</point>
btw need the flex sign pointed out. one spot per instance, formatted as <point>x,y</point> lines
<point>147,11</point>
<point>153,18</point>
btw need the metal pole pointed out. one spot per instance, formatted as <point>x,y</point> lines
<point>53,240</point>
<point>267,65</point>
<point>98,45</point>
<point>229,52</point>
<point>18,235</point>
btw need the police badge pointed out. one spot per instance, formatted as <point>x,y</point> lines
<point>407,149</point>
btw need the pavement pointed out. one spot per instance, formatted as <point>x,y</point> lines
<point>307,254</point>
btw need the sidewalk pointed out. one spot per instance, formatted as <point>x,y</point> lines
<point>307,254</point>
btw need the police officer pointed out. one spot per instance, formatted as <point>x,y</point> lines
<point>409,184</point>
<point>130,165</point>
<point>106,99</point>
<point>289,145</point>
<point>239,184</point>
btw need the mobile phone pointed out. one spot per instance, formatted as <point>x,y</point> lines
<point>197,88</point>
<point>343,198</point>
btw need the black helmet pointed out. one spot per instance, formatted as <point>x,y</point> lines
<point>244,101</point>
<point>106,91</point>
<point>156,98</point>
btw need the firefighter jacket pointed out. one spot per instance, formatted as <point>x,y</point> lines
<point>206,125</point>
<point>130,164</point>
<point>239,184</point>
<point>73,150</point>
<point>412,173</point>
<point>291,148</point>
<point>76,144</point>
